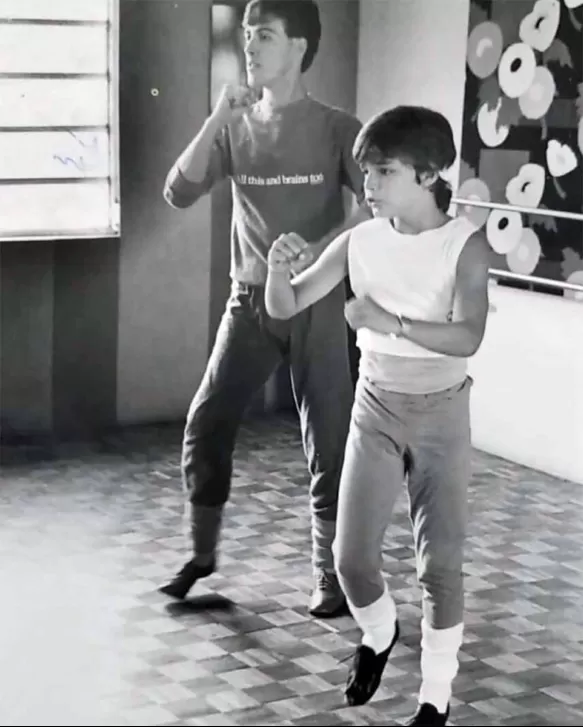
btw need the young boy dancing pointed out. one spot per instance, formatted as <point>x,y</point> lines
<point>420,280</point>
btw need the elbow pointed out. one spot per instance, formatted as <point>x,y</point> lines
<point>470,350</point>
<point>176,201</point>
<point>276,310</point>
<point>278,314</point>
<point>285,316</point>
<point>472,343</point>
<point>170,197</point>
<point>180,193</point>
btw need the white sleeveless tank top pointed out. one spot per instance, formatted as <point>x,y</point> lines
<point>413,275</point>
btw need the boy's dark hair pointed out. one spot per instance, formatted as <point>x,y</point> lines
<point>414,135</point>
<point>301,19</point>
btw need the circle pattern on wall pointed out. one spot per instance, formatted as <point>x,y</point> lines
<point>522,134</point>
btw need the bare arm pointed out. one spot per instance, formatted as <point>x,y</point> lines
<point>463,336</point>
<point>285,297</point>
<point>460,337</point>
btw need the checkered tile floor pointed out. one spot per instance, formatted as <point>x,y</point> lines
<point>85,638</point>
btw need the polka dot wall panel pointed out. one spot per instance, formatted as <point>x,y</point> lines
<point>522,142</point>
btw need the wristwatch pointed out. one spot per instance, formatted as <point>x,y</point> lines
<point>399,333</point>
<point>404,324</point>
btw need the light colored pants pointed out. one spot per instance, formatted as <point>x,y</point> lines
<point>425,439</point>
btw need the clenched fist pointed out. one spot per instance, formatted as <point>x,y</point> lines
<point>232,102</point>
<point>365,313</point>
<point>291,253</point>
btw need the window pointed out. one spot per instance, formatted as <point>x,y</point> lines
<point>59,169</point>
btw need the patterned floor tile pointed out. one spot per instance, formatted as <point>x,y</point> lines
<point>85,638</point>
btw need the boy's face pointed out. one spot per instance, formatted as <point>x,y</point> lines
<point>269,54</point>
<point>391,187</point>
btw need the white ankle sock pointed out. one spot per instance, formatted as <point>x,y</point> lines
<point>377,621</point>
<point>439,663</point>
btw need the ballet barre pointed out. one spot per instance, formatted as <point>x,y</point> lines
<point>543,212</point>
<point>529,279</point>
<point>533,280</point>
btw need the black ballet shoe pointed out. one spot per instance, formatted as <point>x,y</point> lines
<point>185,579</point>
<point>366,672</point>
<point>428,716</point>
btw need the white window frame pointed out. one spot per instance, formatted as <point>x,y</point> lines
<point>113,226</point>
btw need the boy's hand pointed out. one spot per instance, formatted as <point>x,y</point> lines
<point>289,253</point>
<point>365,313</point>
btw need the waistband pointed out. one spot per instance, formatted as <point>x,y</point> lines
<point>239,287</point>
<point>412,375</point>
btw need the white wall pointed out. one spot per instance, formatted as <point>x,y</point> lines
<point>527,401</point>
<point>413,52</point>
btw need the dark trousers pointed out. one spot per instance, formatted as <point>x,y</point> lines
<point>248,348</point>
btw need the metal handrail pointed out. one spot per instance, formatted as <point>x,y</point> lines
<point>543,212</point>
<point>533,280</point>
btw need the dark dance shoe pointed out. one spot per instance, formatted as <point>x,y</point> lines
<point>366,672</point>
<point>428,716</point>
<point>185,579</point>
<point>327,598</point>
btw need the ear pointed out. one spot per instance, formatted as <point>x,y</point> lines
<point>301,44</point>
<point>428,178</point>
